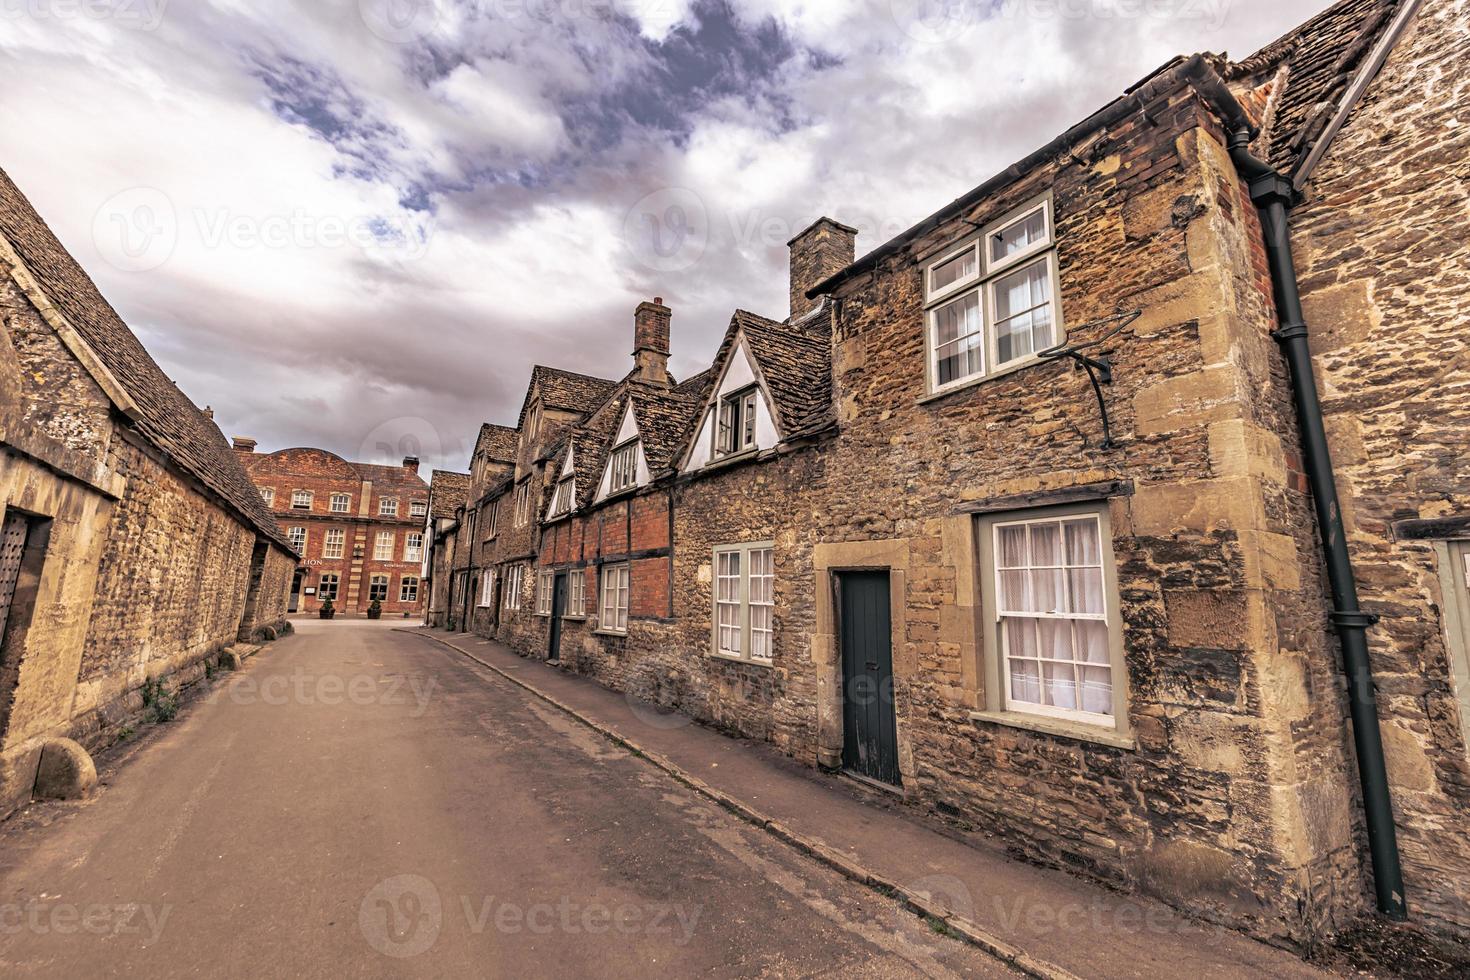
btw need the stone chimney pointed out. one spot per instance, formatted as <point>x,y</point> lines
<point>411,463</point>
<point>208,412</point>
<point>243,444</point>
<point>651,341</point>
<point>823,249</point>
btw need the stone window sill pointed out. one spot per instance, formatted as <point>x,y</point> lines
<point>731,658</point>
<point>1056,726</point>
<point>603,632</point>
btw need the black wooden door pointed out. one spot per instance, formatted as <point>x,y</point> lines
<point>558,610</point>
<point>295,592</point>
<point>870,731</point>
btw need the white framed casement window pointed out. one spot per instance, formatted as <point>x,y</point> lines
<point>388,507</point>
<point>418,508</point>
<point>326,588</point>
<point>622,467</point>
<point>1049,591</point>
<point>745,601</point>
<point>612,607</point>
<point>513,579</point>
<point>297,537</point>
<point>378,588</point>
<point>562,498</point>
<point>413,546</point>
<point>383,546</point>
<point>268,494</point>
<point>487,588</point>
<point>991,303</point>
<point>341,503</point>
<point>492,517</point>
<point>301,500</point>
<point>408,589</point>
<point>523,502</point>
<point>736,430</point>
<point>577,593</point>
<point>334,543</point>
<point>545,583</point>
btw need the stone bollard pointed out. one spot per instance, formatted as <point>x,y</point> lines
<point>66,771</point>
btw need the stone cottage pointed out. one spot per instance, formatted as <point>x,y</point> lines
<point>1029,514</point>
<point>133,546</point>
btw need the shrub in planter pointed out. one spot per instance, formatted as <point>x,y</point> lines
<point>327,611</point>
<point>375,609</point>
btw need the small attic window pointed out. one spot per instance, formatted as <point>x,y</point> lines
<point>566,493</point>
<point>737,423</point>
<point>623,466</point>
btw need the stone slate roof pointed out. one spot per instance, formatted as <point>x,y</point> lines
<point>796,364</point>
<point>447,492</point>
<point>168,420</point>
<point>497,443</point>
<point>664,419</point>
<point>565,391</point>
<point>1320,59</point>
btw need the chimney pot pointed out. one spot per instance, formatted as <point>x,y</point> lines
<point>243,444</point>
<point>821,250</point>
<point>411,463</point>
<point>651,341</point>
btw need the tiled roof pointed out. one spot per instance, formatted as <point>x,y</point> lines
<point>497,442</point>
<point>796,363</point>
<point>566,391</point>
<point>664,419</point>
<point>1320,59</point>
<point>166,418</point>
<point>447,492</point>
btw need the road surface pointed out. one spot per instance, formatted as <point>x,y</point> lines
<point>360,802</point>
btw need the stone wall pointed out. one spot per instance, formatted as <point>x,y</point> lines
<point>1384,264</point>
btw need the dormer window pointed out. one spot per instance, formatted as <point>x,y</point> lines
<point>562,499</point>
<point>737,422</point>
<point>991,300</point>
<point>623,467</point>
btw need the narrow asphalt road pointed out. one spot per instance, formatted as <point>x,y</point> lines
<point>357,802</point>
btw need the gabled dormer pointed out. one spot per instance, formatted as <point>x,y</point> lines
<point>627,462</point>
<point>737,418</point>
<point>564,495</point>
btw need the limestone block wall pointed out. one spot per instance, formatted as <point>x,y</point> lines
<point>1384,264</point>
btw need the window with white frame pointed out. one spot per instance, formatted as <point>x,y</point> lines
<point>297,537</point>
<point>418,508</point>
<point>383,546</point>
<point>341,503</point>
<point>492,517</point>
<point>327,587</point>
<point>736,431</point>
<point>991,301</point>
<point>487,587</point>
<point>378,588</point>
<point>413,546</point>
<point>612,609</point>
<point>268,494</point>
<point>301,500</point>
<point>388,507</point>
<point>545,585</point>
<point>334,543</point>
<point>1051,606</point>
<point>623,467</point>
<point>408,589</point>
<point>523,502</point>
<point>562,499</point>
<point>745,601</point>
<point>513,579</point>
<point>577,593</point>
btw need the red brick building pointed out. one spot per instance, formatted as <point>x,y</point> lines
<point>359,527</point>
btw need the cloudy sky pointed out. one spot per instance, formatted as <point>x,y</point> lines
<point>357,224</point>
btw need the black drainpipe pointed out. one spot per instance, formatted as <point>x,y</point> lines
<point>1272,195</point>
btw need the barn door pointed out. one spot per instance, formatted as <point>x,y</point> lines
<point>870,729</point>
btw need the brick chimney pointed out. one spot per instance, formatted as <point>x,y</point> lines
<point>651,341</point>
<point>823,249</point>
<point>243,444</point>
<point>411,463</point>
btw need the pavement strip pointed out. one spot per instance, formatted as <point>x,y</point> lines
<point>914,902</point>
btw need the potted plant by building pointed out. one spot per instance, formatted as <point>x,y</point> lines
<point>327,611</point>
<point>375,609</point>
